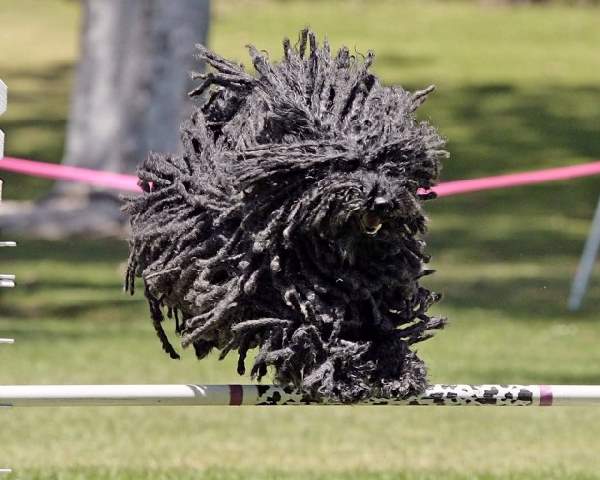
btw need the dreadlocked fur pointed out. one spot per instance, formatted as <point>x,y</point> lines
<point>291,224</point>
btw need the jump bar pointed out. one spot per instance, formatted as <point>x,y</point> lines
<point>222,395</point>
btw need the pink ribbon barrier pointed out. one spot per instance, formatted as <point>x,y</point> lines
<point>116,181</point>
<point>516,179</point>
<point>129,183</point>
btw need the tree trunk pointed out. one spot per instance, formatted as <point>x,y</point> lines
<point>132,80</point>
<point>130,97</point>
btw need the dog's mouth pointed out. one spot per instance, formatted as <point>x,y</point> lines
<point>370,223</point>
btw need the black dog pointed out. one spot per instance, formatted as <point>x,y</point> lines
<point>291,224</point>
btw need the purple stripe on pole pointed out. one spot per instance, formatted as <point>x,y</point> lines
<point>545,396</point>
<point>236,395</point>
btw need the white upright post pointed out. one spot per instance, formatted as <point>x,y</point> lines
<point>6,280</point>
<point>586,264</point>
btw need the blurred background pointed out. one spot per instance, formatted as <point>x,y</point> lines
<point>518,88</point>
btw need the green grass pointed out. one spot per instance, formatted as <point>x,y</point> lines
<point>517,89</point>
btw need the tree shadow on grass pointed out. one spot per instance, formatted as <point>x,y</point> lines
<point>395,59</point>
<point>50,77</point>
<point>495,129</point>
<point>41,104</point>
<point>534,273</point>
<point>109,308</point>
<point>517,242</point>
<point>73,251</point>
<point>38,102</point>
<point>515,127</point>
<point>28,335</point>
<point>60,284</point>
<point>523,298</point>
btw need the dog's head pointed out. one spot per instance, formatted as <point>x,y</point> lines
<point>319,143</point>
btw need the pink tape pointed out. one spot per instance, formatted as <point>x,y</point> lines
<point>515,179</point>
<point>129,183</point>
<point>111,180</point>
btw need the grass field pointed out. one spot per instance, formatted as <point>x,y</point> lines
<point>517,89</point>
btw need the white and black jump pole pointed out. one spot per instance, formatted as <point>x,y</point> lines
<point>269,395</point>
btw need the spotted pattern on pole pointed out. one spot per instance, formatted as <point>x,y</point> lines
<point>441,395</point>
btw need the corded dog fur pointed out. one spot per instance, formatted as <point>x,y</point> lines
<point>291,224</point>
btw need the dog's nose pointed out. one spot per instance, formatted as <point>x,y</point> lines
<point>381,204</point>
